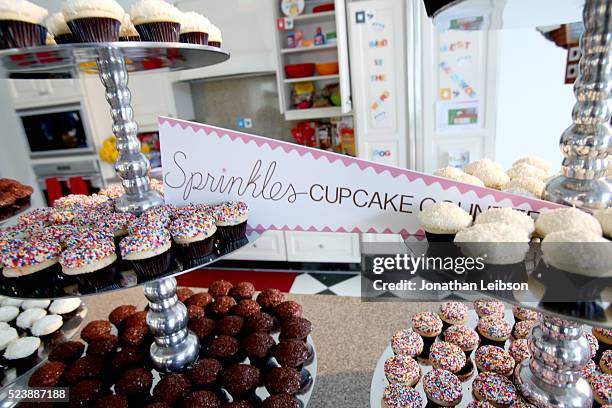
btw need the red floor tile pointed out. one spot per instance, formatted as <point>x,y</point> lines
<point>262,280</point>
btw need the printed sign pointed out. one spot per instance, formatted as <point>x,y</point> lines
<point>292,187</point>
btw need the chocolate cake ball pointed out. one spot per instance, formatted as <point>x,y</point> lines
<point>112,401</point>
<point>201,299</point>
<point>202,399</point>
<point>238,404</point>
<point>222,305</point>
<point>137,319</point>
<point>48,375</point>
<point>195,312</point>
<point>259,322</point>
<point>295,328</point>
<point>172,388</point>
<point>67,352</point>
<point>86,392</point>
<point>204,372</point>
<point>220,288</point>
<point>103,346</point>
<point>203,328</point>
<point>242,290</point>
<point>134,382</point>
<point>86,367</point>
<point>288,309</point>
<point>240,379</point>
<point>268,299</point>
<point>183,294</point>
<point>223,348</point>
<point>247,307</point>
<point>290,353</point>
<point>127,357</point>
<point>258,346</point>
<point>283,380</point>
<point>134,335</point>
<point>121,313</point>
<point>280,401</point>
<point>95,330</point>
<point>230,325</point>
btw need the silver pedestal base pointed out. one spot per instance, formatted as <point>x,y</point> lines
<point>175,348</point>
<point>139,203</point>
<point>588,194</point>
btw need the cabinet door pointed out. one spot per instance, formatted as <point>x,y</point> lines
<point>29,93</point>
<point>322,247</point>
<point>343,56</point>
<point>270,246</point>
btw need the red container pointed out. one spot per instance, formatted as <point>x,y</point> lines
<point>299,70</point>
<point>323,7</point>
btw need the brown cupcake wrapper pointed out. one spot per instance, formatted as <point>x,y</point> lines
<point>95,29</point>
<point>153,266</point>
<point>232,232</point>
<point>214,44</point>
<point>194,38</point>
<point>197,249</point>
<point>104,278</point>
<point>20,34</point>
<point>159,31</point>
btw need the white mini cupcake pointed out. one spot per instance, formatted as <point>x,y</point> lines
<point>156,20</point>
<point>47,326</point>
<point>65,307</point>
<point>441,221</point>
<point>27,318</point>
<point>194,28</point>
<point>508,216</point>
<point>566,218</point>
<point>7,336</point>
<point>605,219</point>
<point>127,32</point>
<point>35,303</point>
<point>22,24</point>
<point>525,186</point>
<point>497,243</point>
<point>521,170</point>
<point>456,174</point>
<point>8,313</point>
<point>12,302</point>
<point>214,36</point>
<point>57,26</point>
<point>489,172</point>
<point>94,20</point>
<point>22,352</point>
<point>534,161</point>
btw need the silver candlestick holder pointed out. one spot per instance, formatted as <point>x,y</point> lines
<point>551,377</point>
<point>587,143</point>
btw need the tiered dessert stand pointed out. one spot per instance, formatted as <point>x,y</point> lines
<point>175,347</point>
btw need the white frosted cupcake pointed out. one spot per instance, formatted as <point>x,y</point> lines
<point>508,216</point>
<point>22,352</point>
<point>22,24</point>
<point>566,218</point>
<point>525,186</point>
<point>148,249</point>
<point>8,314</point>
<point>94,20</point>
<point>47,326</point>
<point>441,221</point>
<point>30,257</point>
<point>35,303</point>
<point>214,36</point>
<point>92,264</point>
<point>57,26</point>
<point>156,20</point>
<point>7,336</point>
<point>489,172</point>
<point>194,28</point>
<point>605,219</point>
<point>12,302</point>
<point>231,219</point>
<point>194,235</point>
<point>27,318</point>
<point>456,174</point>
<point>65,307</point>
<point>534,161</point>
<point>127,32</point>
<point>521,170</point>
<point>498,243</point>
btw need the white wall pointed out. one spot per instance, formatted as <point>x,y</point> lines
<point>533,104</point>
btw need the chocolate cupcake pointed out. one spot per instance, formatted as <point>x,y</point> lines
<point>56,24</point>
<point>127,32</point>
<point>67,308</point>
<point>194,28</point>
<point>288,309</point>
<point>201,299</point>
<point>494,331</point>
<point>49,375</point>
<point>401,369</point>
<point>230,326</point>
<point>22,353</point>
<point>120,314</point>
<point>429,326</point>
<point>269,299</point>
<point>242,290</point>
<point>238,404</point>
<point>135,335</point>
<point>231,219</point>
<point>225,349</point>
<point>450,357</point>
<point>495,389</point>
<point>22,24</point>
<point>137,319</point>
<point>86,367</point>
<point>259,322</point>
<point>296,328</point>
<point>156,20</point>
<point>401,396</point>
<point>203,328</point>
<point>148,251</point>
<point>7,336</point>
<point>199,399</point>
<point>441,221</point>
<point>494,359</point>
<point>220,288</point>
<point>94,20</point>
<point>222,305</point>
<point>172,388</point>
<point>240,379</point>
<point>442,388</point>
<point>27,318</point>
<point>194,235</point>
<point>258,348</point>
<point>246,307</point>
<point>103,347</point>
<point>86,392</point>
<point>47,327</point>
<point>291,353</point>
<point>452,313</point>
<point>128,357</point>
<point>96,329</point>
<point>519,350</point>
<point>135,384</point>
<point>205,373</point>
<point>215,38</point>
<point>67,352</point>
<point>112,401</point>
<point>8,314</point>
<point>195,312</point>
<point>283,380</point>
<point>407,342</point>
<point>183,294</point>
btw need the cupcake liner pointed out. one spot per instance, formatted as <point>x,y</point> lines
<point>197,249</point>
<point>65,39</point>
<point>467,371</point>
<point>484,341</point>
<point>151,267</point>
<point>22,365</point>
<point>232,232</point>
<point>159,31</point>
<point>19,34</point>
<point>42,284</point>
<point>95,29</point>
<point>214,44</point>
<point>431,237</point>
<point>194,38</point>
<point>102,279</point>
<point>427,342</point>
<point>130,38</point>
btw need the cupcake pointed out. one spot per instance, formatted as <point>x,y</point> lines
<point>127,32</point>
<point>225,349</point>
<point>429,326</point>
<point>7,336</point>
<point>489,307</point>
<point>260,322</point>
<point>231,219</point>
<point>12,302</point>
<point>287,309</point>
<point>27,318</point>
<point>489,172</point>
<point>450,357</point>
<point>525,186</point>
<point>135,384</point>
<point>120,314</point>
<point>31,257</point>
<point>35,303</point>
<point>242,290</point>
<point>589,371</point>
<point>602,389</point>
<point>8,314</point>
<point>523,328</point>
<point>401,369</point>
<point>441,221</point>
<point>538,162</point>
<point>258,348</point>
<point>452,313</point>
<point>521,170</point>
<point>291,353</point>
<point>240,379</point>
<point>22,24</point>
<point>194,235</point>
<point>156,20</point>
<point>456,174</point>
<point>56,24</point>
<point>564,219</point>
<point>196,399</point>
<point>94,21</point>
<point>522,313</point>
<point>47,326</point>
<point>228,325</point>
<point>464,337</point>
<point>519,350</point>
<point>65,307</point>
<point>508,216</point>
<point>23,352</point>
<point>269,298</point>
<point>148,250</point>
<point>49,375</point>
<point>593,345</point>
<point>92,264</point>
<point>494,331</point>
<point>605,362</point>
<point>407,342</point>
<point>604,337</point>
<point>494,359</point>
<point>401,396</point>
<point>295,328</point>
<point>605,219</point>
<point>220,288</point>
<point>495,389</point>
<point>67,352</point>
<point>172,388</point>
<point>442,388</point>
<point>194,28</point>
<point>497,243</point>
<point>205,373</point>
<point>214,36</point>
<point>283,380</point>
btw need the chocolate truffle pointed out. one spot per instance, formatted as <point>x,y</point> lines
<point>112,401</point>
<point>268,299</point>
<point>288,309</point>
<point>296,328</point>
<point>290,353</point>
<point>283,380</point>
<point>202,399</point>
<point>127,357</point>
<point>240,379</point>
<point>67,352</point>
<point>172,388</point>
<point>134,335</point>
<point>258,346</point>
<point>259,322</point>
<point>220,288</point>
<point>121,313</point>
<point>223,348</point>
<point>183,294</point>
<point>247,307</point>
<point>95,330</point>
<point>201,299</point>
<point>86,392</point>
<point>222,305</point>
<point>242,290</point>
<point>48,375</point>
<point>84,368</point>
<point>280,401</point>
<point>230,325</point>
<point>134,382</point>
<point>203,328</point>
<point>137,319</point>
<point>204,372</point>
<point>103,346</point>
<point>195,312</point>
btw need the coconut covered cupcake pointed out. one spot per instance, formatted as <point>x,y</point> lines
<point>508,216</point>
<point>564,219</point>
<point>496,242</point>
<point>194,28</point>
<point>231,219</point>
<point>127,32</point>
<point>456,174</point>
<point>605,219</point>
<point>156,20</point>
<point>526,186</point>
<point>56,24</point>
<point>521,170</point>
<point>22,24</point>
<point>489,172</point>
<point>194,235</point>
<point>94,20</point>
<point>214,36</point>
<point>148,249</point>
<point>441,221</point>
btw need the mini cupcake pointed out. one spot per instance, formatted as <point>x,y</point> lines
<point>605,362</point>
<point>231,219</point>
<point>495,389</point>
<point>156,20</point>
<point>193,209</point>
<point>494,359</point>
<point>456,174</point>
<point>47,326</point>
<point>441,221</point>
<point>27,318</point>
<point>8,314</point>
<point>442,388</point>
<point>464,337</point>
<point>194,28</point>
<point>593,345</point>
<point>118,223</point>
<point>194,235</point>
<point>523,328</point>
<point>94,20</point>
<point>401,396</point>
<point>560,219</point>
<point>589,371</point>
<point>508,216</point>
<point>283,380</point>
<point>23,352</point>
<point>452,313</point>
<point>35,303</point>
<point>519,350</point>
<point>31,257</point>
<point>489,307</point>
<point>92,264</point>
<point>148,251</point>
<point>66,308</point>
<point>534,161</point>
<point>497,243</point>
<point>522,313</point>
<point>407,342</point>
<point>258,348</point>
<point>7,336</point>
<point>521,170</point>
<point>401,369</point>
<point>12,302</point>
<point>429,326</point>
<point>604,337</point>
<point>494,331</point>
<point>602,389</point>
<point>127,32</point>
<point>605,219</point>
<point>489,172</point>
<point>525,186</point>
<point>294,328</point>
<point>22,24</point>
<point>214,36</point>
<point>56,24</point>
<point>450,357</point>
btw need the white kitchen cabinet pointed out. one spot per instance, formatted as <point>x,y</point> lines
<point>270,246</point>
<point>322,247</point>
<point>42,92</point>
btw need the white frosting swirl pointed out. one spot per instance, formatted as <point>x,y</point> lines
<point>75,9</point>
<point>22,10</point>
<point>56,24</point>
<point>127,30</point>
<point>214,34</point>
<point>154,11</point>
<point>192,22</point>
